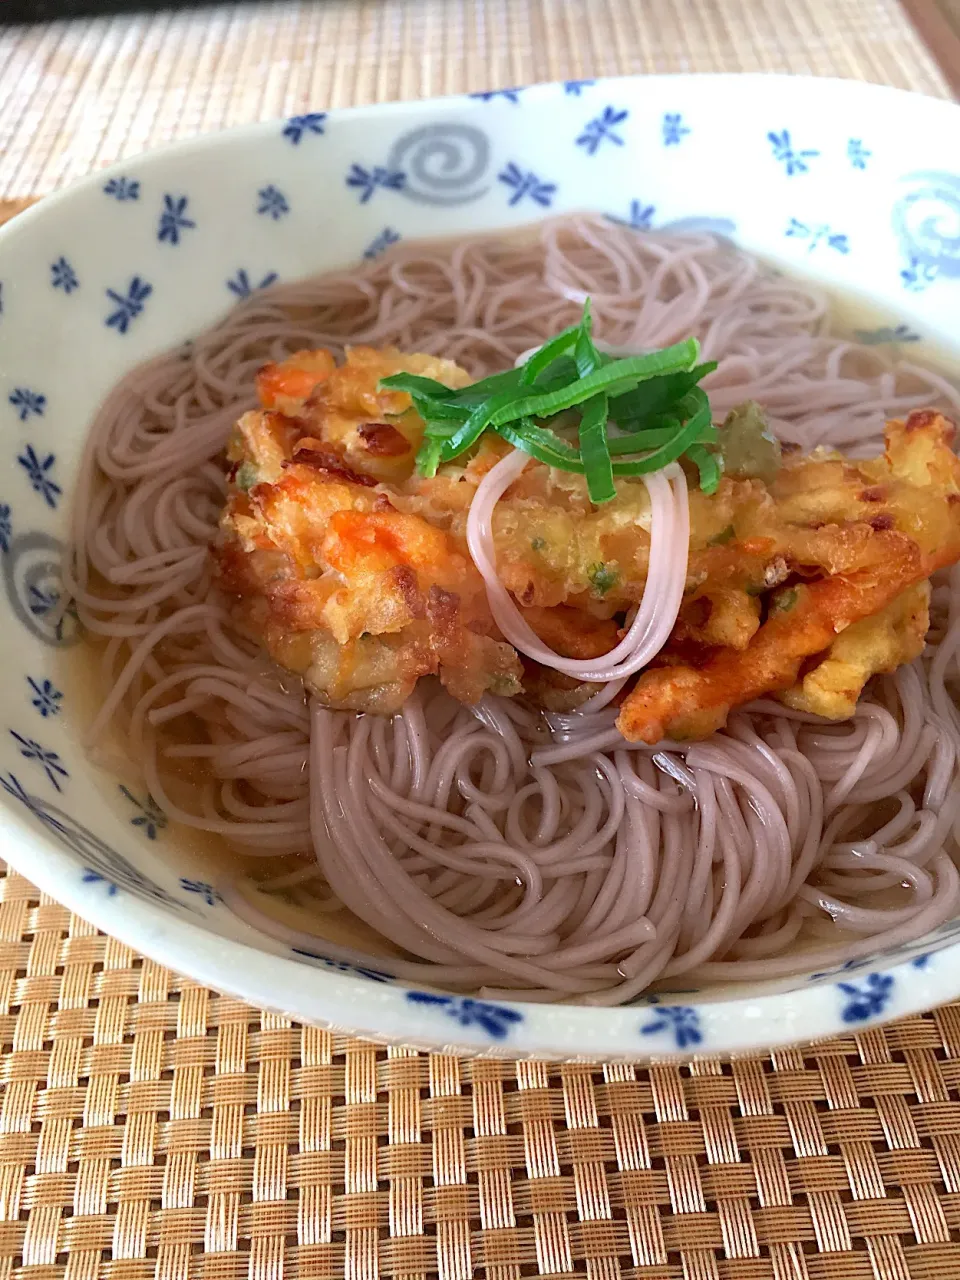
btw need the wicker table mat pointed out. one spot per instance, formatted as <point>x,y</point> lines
<point>75,96</point>
<point>151,1128</point>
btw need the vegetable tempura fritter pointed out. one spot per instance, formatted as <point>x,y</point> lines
<point>806,574</point>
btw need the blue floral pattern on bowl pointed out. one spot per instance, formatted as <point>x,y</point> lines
<point>127,304</point>
<point>679,1023</point>
<point>241,285</point>
<point>63,276</point>
<point>861,188</point>
<point>606,127</point>
<point>122,188</point>
<point>299,127</point>
<point>47,698</point>
<point>272,203</point>
<point>527,184</point>
<point>27,402</point>
<point>496,1020</point>
<point>673,129</point>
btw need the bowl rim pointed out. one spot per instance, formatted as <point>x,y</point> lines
<point>383,1012</point>
<point>450,101</point>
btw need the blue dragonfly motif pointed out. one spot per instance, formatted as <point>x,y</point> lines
<point>173,219</point>
<point>299,127</point>
<point>380,243</point>
<point>640,217</point>
<point>206,891</point>
<point>272,203</point>
<point>866,1000</point>
<point>150,817</point>
<point>129,305</point>
<point>49,761</point>
<point>38,472</point>
<point>366,181</point>
<point>243,286</point>
<point>122,189</point>
<point>46,697</point>
<point>817,234</point>
<point>96,877</point>
<point>603,128</point>
<point>508,95</point>
<point>793,161</point>
<point>63,276</point>
<point>576,87</point>
<point>857,153</point>
<point>495,1019</point>
<point>6,526</point>
<point>27,403</point>
<point>681,1022</point>
<point>527,184</point>
<point>672,129</point>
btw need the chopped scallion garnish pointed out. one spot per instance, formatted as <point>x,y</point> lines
<point>595,450</point>
<point>709,466</point>
<point>653,399</point>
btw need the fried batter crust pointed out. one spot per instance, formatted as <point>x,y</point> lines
<point>874,570</point>
<point>354,571</point>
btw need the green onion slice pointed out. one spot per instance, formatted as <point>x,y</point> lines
<point>699,406</point>
<point>611,379</point>
<point>543,444</point>
<point>542,359</point>
<point>595,450</point>
<point>655,396</point>
<point>709,465</point>
<point>653,399</point>
<point>428,457</point>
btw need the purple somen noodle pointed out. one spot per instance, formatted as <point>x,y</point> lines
<point>498,848</point>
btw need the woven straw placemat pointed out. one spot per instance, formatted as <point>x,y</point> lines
<point>149,1127</point>
<point>76,96</point>
<point>152,1128</point>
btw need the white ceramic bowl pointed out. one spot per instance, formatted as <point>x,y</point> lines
<point>856,185</point>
